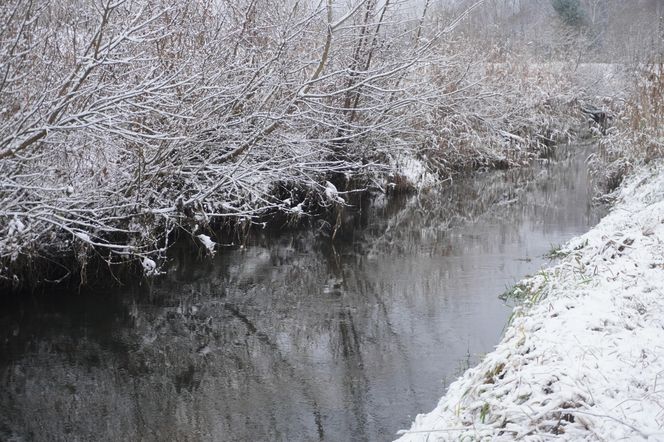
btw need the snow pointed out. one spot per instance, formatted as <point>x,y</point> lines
<point>149,267</point>
<point>414,170</point>
<point>207,242</point>
<point>299,210</point>
<point>83,236</point>
<point>332,193</point>
<point>583,358</point>
<point>16,226</point>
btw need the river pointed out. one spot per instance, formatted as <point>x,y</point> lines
<point>292,337</point>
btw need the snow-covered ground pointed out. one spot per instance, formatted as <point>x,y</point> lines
<point>583,358</point>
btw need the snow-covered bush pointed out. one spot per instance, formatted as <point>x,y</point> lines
<point>122,122</point>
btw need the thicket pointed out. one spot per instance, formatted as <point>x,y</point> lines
<point>125,122</point>
<point>637,135</point>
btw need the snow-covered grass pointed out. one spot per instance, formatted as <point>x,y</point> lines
<point>583,357</point>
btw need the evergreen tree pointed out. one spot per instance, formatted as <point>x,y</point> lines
<point>570,12</point>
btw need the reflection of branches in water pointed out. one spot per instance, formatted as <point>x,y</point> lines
<point>425,219</point>
<point>198,323</point>
<point>350,344</point>
<point>182,355</point>
<point>276,281</point>
<point>291,370</point>
<point>69,384</point>
<point>370,288</point>
<point>295,278</point>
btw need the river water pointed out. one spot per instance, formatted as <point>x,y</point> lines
<point>291,337</point>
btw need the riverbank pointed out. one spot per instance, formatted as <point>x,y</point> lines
<point>583,357</point>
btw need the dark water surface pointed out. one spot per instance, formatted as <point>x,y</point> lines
<point>290,338</point>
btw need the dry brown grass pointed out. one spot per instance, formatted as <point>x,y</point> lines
<point>638,135</point>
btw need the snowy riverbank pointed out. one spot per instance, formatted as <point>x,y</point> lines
<point>584,357</point>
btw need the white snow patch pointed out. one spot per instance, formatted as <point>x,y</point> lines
<point>332,193</point>
<point>149,267</point>
<point>298,209</point>
<point>207,242</point>
<point>584,360</point>
<point>414,170</point>
<point>83,236</point>
<point>16,226</point>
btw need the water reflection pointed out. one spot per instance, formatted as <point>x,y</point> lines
<point>292,338</point>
